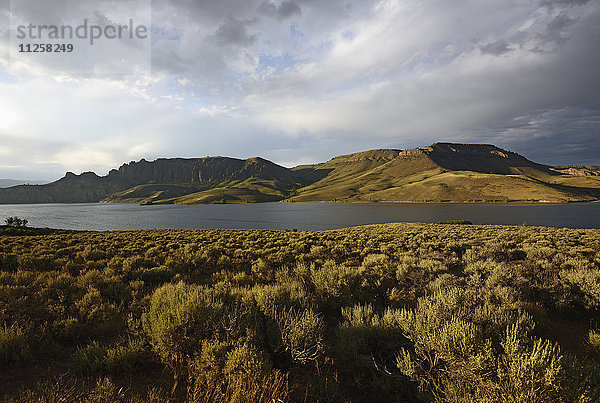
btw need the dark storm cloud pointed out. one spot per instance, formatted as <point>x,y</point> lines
<point>565,2</point>
<point>569,132</point>
<point>557,29</point>
<point>497,48</point>
<point>559,136</point>
<point>234,32</point>
<point>200,61</point>
<point>284,10</point>
<point>207,11</point>
<point>288,8</point>
<point>267,9</point>
<point>549,38</point>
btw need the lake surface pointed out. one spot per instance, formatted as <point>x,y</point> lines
<point>301,216</point>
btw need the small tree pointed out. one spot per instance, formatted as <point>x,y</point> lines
<point>16,222</point>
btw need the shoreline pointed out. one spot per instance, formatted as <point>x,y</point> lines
<point>41,231</point>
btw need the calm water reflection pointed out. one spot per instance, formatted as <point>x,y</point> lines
<point>302,216</point>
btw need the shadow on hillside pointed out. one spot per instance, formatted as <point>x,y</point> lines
<point>308,176</point>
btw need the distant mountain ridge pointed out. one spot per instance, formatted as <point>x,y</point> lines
<point>442,172</point>
<point>6,183</point>
<point>166,180</point>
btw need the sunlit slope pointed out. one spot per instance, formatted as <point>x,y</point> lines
<point>444,172</point>
<point>249,191</point>
<point>146,194</point>
<point>359,176</point>
<point>211,180</point>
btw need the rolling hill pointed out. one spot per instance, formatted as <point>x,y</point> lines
<point>6,183</point>
<point>442,172</point>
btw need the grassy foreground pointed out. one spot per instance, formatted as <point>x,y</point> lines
<point>397,312</point>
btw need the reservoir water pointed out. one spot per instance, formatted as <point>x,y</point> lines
<point>301,216</point>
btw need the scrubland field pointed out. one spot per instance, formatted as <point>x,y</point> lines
<point>397,312</point>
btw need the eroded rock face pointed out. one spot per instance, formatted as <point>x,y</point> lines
<point>371,155</point>
<point>199,170</point>
<point>89,187</point>
<point>414,152</point>
<point>575,170</point>
<point>179,170</point>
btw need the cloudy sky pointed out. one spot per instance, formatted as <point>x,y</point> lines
<point>298,81</point>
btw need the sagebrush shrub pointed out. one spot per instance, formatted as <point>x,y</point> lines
<point>302,334</point>
<point>179,318</point>
<point>14,345</point>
